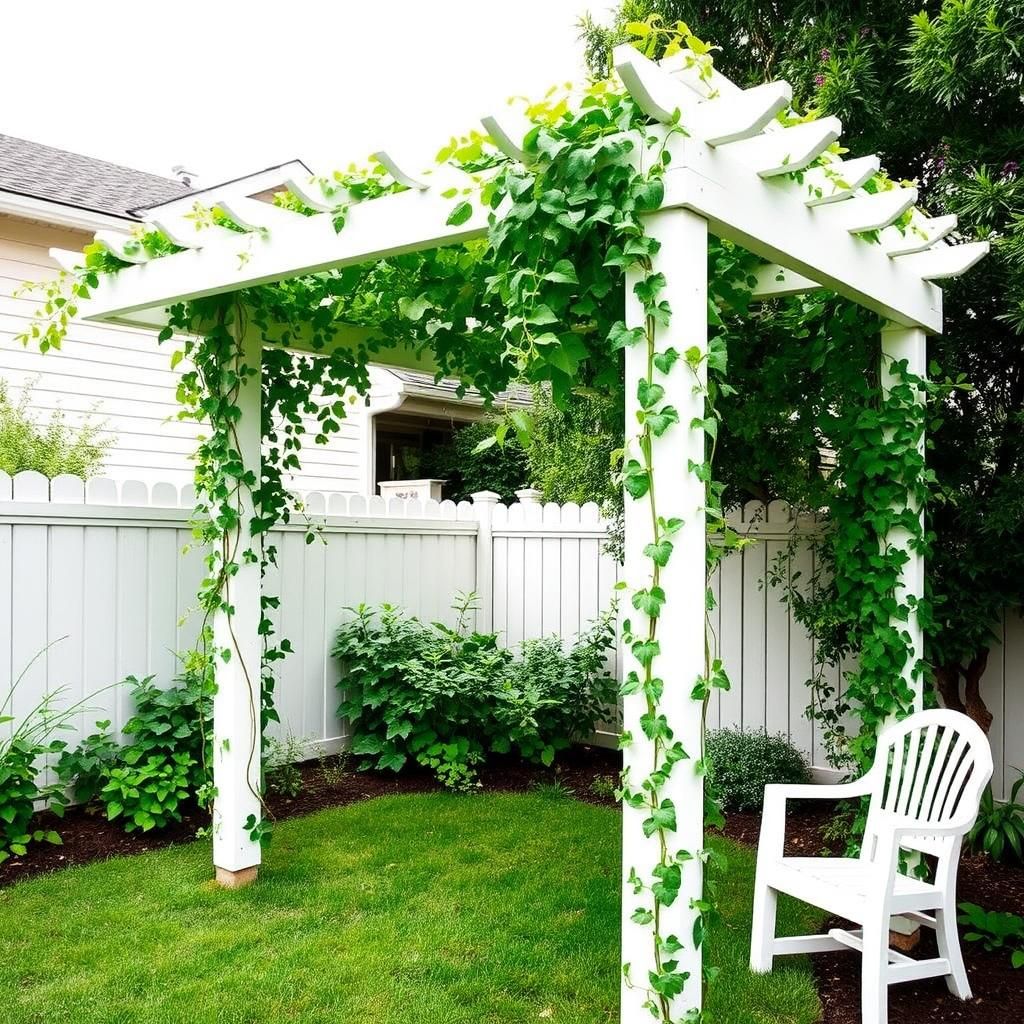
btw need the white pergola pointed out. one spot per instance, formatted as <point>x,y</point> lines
<point>730,175</point>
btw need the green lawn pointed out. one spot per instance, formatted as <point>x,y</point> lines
<point>433,909</point>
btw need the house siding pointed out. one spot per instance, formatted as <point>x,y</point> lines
<point>123,377</point>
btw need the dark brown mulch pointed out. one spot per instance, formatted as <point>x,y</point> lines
<point>999,990</point>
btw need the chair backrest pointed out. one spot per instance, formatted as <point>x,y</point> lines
<point>931,768</point>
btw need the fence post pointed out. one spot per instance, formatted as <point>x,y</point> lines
<point>529,496</point>
<point>483,506</point>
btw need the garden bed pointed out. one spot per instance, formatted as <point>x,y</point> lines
<point>585,773</point>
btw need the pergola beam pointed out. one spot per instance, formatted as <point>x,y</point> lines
<point>781,229</point>
<point>399,223</point>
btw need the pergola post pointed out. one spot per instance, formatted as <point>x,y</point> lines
<point>236,704</point>
<point>683,259</point>
<point>907,344</point>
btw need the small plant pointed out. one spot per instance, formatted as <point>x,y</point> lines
<point>87,768</point>
<point>332,768</point>
<point>999,830</point>
<point>604,787</point>
<point>32,737</point>
<point>166,764</point>
<point>553,789</point>
<point>281,768</point>
<point>741,763</point>
<point>995,930</point>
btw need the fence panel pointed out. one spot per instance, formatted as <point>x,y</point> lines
<point>109,567</point>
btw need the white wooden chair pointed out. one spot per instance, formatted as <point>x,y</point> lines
<point>925,787</point>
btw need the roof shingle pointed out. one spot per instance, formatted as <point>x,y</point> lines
<point>44,172</point>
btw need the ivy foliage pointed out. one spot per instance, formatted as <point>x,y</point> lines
<point>935,92</point>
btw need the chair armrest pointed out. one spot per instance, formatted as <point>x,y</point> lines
<point>779,792</point>
<point>908,827</point>
<point>773,816</point>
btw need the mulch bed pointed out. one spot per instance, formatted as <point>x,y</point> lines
<point>587,772</point>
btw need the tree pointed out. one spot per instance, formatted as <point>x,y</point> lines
<point>937,94</point>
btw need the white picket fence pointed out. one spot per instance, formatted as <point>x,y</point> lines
<point>109,568</point>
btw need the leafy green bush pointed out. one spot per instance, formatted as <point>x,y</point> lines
<point>741,763</point>
<point>51,448</point>
<point>468,468</point>
<point>445,698</point>
<point>165,765</point>
<point>996,930</point>
<point>999,830</point>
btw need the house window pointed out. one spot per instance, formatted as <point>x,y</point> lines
<point>404,445</point>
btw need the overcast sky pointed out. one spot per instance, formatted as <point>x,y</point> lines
<point>227,87</point>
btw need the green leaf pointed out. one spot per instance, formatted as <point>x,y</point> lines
<point>670,878</point>
<point>650,602</point>
<point>563,272</point>
<point>413,309</point>
<point>648,394</point>
<point>659,553</point>
<point>462,212</point>
<point>664,361</point>
<point>635,479</point>
<point>650,194</point>
<point>662,817</point>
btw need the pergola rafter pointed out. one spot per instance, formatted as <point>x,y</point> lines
<point>781,191</point>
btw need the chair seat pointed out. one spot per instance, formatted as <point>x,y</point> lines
<point>842,885</point>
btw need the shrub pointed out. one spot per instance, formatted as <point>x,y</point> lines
<point>741,763</point>
<point>51,448</point>
<point>468,468</point>
<point>549,698</point>
<point>165,765</point>
<point>445,698</point>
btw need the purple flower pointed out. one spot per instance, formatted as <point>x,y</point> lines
<point>866,31</point>
<point>819,80</point>
<point>825,55</point>
<point>1010,168</point>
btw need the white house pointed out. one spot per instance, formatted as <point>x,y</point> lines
<point>122,377</point>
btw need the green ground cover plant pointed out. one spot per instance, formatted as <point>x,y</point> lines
<point>394,911</point>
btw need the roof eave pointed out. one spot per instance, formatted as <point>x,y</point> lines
<point>17,204</point>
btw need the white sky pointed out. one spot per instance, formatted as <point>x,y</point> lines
<point>228,87</point>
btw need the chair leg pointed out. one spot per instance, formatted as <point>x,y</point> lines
<point>948,940</point>
<point>874,982</point>
<point>762,932</point>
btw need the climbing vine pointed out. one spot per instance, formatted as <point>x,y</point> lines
<point>539,300</point>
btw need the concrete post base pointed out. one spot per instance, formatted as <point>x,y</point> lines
<point>228,879</point>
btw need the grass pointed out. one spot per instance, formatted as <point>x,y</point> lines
<point>433,909</point>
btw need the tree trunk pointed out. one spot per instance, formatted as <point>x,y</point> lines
<point>976,707</point>
<point>947,682</point>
